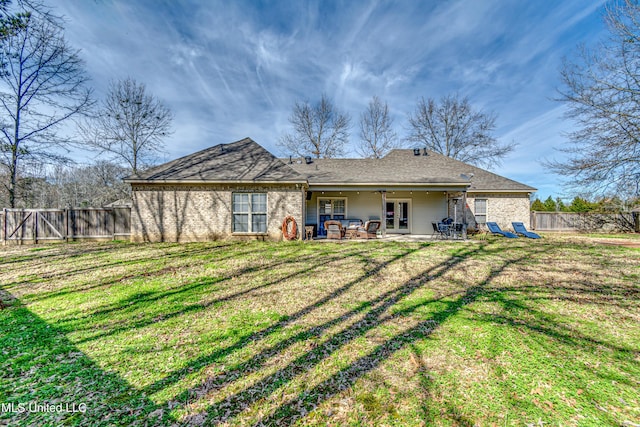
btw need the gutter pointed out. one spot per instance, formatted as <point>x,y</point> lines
<point>388,186</point>
<point>201,182</point>
<point>488,190</point>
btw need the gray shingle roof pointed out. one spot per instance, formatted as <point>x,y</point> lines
<point>247,161</point>
<point>240,161</point>
<point>402,166</point>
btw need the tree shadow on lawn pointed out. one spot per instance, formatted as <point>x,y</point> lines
<point>15,254</point>
<point>40,366</point>
<point>153,267</point>
<point>376,313</point>
<point>143,303</point>
<point>201,362</point>
<point>114,401</point>
<point>560,368</point>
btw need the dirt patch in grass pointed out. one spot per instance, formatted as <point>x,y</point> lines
<point>618,242</point>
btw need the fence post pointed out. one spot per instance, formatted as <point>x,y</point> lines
<point>4,226</point>
<point>35,227</point>
<point>533,219</point>
<point>66,225</point>
<point>113,218</point>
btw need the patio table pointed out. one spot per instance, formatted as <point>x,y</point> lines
<point>351,233</point>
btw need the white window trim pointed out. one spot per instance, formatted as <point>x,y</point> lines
<point>250,213</point>
<point>320,199</point>
<point>486,210</point>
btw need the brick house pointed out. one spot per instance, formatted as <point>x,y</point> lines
<point>241,190</point>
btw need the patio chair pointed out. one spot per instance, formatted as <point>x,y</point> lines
<point>334,229</point>
<point>519,228</point>
<point>495,229</point>
<point>444,230</point>
<point>370,230</point>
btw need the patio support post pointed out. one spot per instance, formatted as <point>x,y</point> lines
<point>383,217</point>
<point>464,215</point>
<point>303,219</point>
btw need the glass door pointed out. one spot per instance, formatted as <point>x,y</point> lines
<point>397,216</point>
<point>390,215</point>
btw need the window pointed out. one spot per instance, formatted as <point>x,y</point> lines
<point>481,211</point>
<point>249,213</point>
<point>330,209</point>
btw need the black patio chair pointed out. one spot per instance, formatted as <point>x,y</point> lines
<point>444,230</point>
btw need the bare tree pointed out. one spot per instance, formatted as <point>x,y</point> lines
<point>86,186</point>
<point>602,93</point>
<point>61,186</point>
<point>130,125</point>
<point>454,128</point>
<point>42,86</point>
<point>319,130</point>
<point>377,136</point>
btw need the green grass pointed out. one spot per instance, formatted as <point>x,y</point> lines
<point>497,332</point>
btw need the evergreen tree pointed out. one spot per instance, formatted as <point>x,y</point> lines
<point>560,206</point>
<point>537,205</point>
<point>578,204</point>
<point>550,205</point>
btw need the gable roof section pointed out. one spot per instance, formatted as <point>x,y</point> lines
<point>242,161</point>
<point>402,166</point>
<point>482,180</point>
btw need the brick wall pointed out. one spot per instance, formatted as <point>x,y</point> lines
<point>203,212</point>
<point>502,208</point>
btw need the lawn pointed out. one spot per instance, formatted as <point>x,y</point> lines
<point>496,332</point>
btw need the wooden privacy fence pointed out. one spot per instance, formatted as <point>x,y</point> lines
<point>35,225</point>
<point>588,221</point>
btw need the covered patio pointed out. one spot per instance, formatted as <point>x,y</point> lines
<point>401,210</point>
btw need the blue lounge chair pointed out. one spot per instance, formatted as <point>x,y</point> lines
<point>495,229</point>
<point>519,228</point>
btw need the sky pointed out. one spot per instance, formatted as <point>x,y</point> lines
<point>234,69</point>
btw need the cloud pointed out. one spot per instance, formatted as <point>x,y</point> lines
<point>234,69</point>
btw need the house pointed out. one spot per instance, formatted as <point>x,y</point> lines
<point>241,190</point>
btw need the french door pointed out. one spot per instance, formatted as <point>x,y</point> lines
<point>398,216</point>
